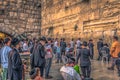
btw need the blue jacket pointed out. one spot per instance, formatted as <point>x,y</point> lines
<point>58,50</point>
<point>4,52</point>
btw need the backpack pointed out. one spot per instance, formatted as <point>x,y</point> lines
<point>77,69</point>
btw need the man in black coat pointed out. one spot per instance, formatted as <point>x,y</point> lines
<point>15,66</point>
<point>84,55</point>
<point>99,46</point>
<point>34,42</point>
<point>63,46</point>
<point>38,56</point>
<point>91,47</point>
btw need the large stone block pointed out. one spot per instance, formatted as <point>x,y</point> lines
<point>91,17</point>
<point>20,16</point>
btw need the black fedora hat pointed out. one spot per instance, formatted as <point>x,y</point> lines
<point>15,41</point>
<point>43,39</point>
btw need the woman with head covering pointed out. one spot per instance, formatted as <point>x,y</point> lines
<point>15,62</point>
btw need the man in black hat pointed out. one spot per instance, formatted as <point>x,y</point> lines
<point>91,47</point>
<point>63,46</point>
<point>15,66</point>
<point>99,46</point>
<point>85,63</point>
<point>38,56</point>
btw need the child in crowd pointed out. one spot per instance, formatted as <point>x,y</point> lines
<point>69,50</point>
<point>118,64</point>
<point>35,74</point>
<point>58,53</point>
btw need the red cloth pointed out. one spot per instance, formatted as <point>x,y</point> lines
<point>38,78</point>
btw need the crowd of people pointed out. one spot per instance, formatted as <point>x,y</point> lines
<point>44,50</point>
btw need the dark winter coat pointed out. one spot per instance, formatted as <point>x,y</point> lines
<point>84,55</point>
<point>118,62</point>
<point>63,46</point>
<point>91,47</point>
<point>38,56</point>
<point>99,45</point>
<point>14,65</point>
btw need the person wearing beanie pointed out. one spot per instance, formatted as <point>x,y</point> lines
<point>15,66</point>
<point>4,52</point>
<point>85,63</point>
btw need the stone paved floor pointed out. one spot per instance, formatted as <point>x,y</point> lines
<point>99,72</point>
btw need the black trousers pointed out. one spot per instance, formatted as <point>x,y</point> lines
<point>118,68</point>
<point>86,70</point>
<point>63,53</point>
<point>42,67</point>
<point>42,70</point>
<point>99,56</point>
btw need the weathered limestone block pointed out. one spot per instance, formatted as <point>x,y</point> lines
<point>93,17</point>
<point>19,16</point>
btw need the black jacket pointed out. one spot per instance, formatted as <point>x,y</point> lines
<point>99,45</point>
<point>84,55</point>
<point>38,56</point>
<point>63,45</point>
<point>117,62</point>
<point>15,66</point>
<point>91,47</point>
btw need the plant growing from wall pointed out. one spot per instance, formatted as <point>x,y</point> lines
<point>63,30</point>
<point>85,0</point>
<point>66,7</point>
<point>50,30</point>
<point>75,27</point>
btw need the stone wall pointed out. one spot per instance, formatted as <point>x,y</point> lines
<point>20,17</point>
<point>80,18</point>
